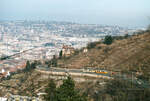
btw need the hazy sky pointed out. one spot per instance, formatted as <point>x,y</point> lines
<point>110,12</point>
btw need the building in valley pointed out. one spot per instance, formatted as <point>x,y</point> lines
<point>67,50</point>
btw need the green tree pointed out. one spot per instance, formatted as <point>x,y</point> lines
<point>30,66</point>
<point>67,92</point>
<point>51,91</point>
<point>60,54</point>
<point>27,68</point>
<point>108,40</point>
<point>126,36</point>
<point>33,65</point>
<point>54,61</point>
<point>91,45</point>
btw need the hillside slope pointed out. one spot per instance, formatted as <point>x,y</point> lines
<point>126,54</point>
<point>132,53</point>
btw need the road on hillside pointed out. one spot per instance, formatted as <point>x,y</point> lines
<point>85,72</point>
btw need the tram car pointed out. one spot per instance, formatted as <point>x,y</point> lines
<point>100,71</point>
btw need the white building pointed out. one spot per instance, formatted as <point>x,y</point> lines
<point>3,99</point>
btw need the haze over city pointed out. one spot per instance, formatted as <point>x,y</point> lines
<point>108,12</point>
<point>74,50</point>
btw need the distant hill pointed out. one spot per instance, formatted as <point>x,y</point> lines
<point>130,53</point>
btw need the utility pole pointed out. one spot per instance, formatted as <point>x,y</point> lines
<point>132,79</point>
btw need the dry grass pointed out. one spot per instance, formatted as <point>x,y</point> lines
<point>127,54</point>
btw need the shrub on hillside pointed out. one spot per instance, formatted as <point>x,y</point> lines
<point>60,54</point>
<point>52,62</point>
<point>66,92</point>
<point>108,40</point>
<point>92,44</point>
<point>51,91</point>
<point>124,90</point>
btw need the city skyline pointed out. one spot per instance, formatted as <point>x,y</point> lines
<point>125,13</point>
